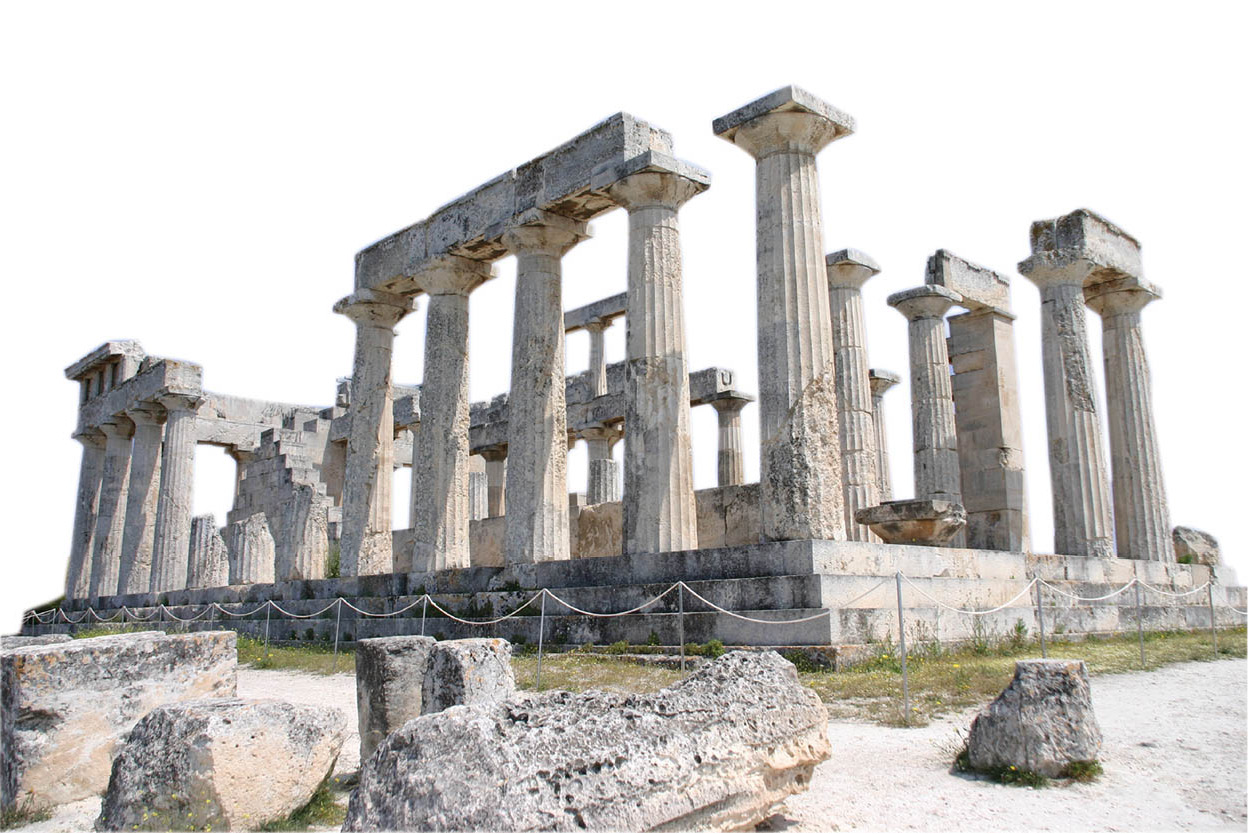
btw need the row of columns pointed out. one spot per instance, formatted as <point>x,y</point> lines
<point>132,520</point>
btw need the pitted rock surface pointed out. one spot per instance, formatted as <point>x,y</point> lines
<point>1042,722</point>
<point>716,751</point>
<point>220,764</point>
<point>66,707</point>
<point>1196,546</point>
<point>22,641</point>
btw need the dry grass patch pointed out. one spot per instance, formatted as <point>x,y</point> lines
<point>576,672</point>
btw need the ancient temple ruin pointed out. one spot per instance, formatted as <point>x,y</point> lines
<point>492,512</point>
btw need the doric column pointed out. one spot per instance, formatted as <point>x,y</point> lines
<point>936,472</point>
<point>171,549</point>
<point>110,519</point>
<point>440,506</point>
<point>731,456</point>
<point>495,480</point>
<point>537,433</point>
<point>1082,515</point>
<point>604,473</point>
<point>366,542</point>
<point>597,373</point>
<point>800,459</point>
<point>848,270</point>
<point>881,381</point>
<point>135,575</point>
<point>78,580</point>
<point>1141,513</point>
<point>659,511</point>
<point>478,495</point>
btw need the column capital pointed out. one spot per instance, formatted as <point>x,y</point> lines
<point>654,179</point>
<point>601,431</point>
<point>730,402</point>
<point>454,275</point>
<point>1080,248</point>
<point>117,426</point>
<point>881,380</point>
<point>787,120</point>
<point>146,413</point>
<point>926,302</point>
<point>543,232</point>
<point>1120,296</point>
<point>850,269</point>
<point>180,402</point>
<point>90,437</point>
<point>375,308</point>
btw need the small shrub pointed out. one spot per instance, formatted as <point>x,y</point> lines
<point>620,647</point>
<point>800,659</point>
<point>713,648</point>
<point>1185,559</point>
<point>333,561</point>
<point>321,811</point>
<point>309,634</point>
<point>693,649</point>
<point>518,639</point>
<point>1088,771</point>
<point>981,638</point>
<point>653,639</point>
<point>1018,637</point>
<point>21,815</point>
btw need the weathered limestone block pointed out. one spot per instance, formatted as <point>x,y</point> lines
<point>253,554</point>
<point>223,764</point>
<point>302,551</point>
<point>210,560</point>
<point>1042,722</point>
<point>716,751</point>
<point>929,522</point>
<point>67,706</point>
<point>598,530</point>
<point>21,641</point>
<point>400,678</point>
<point>1196,547</point>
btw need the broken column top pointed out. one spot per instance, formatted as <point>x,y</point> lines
<point>980,287</point>
<point>471,226</point>
<point>103,354</point>
<point>1083,237</point>
<point>850,268</point>
<point>603,310</point>
<point>881,380</point>
<point>927,300</point>
<point>791,99</point>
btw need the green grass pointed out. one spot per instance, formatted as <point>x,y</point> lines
<point>577,672</point>
<point>316,658</point>
<point>21,815</point>
<point>321,811</point>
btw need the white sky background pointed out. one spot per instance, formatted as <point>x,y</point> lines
<point>200,177</point>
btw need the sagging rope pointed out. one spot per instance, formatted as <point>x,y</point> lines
<point>1026,590</point>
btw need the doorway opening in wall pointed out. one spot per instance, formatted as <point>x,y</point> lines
<point>215,474</point>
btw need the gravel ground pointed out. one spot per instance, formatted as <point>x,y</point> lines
<point>1175,757</point>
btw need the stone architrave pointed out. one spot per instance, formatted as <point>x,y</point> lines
<point>537,434</point>
<point>881,382</point>
<point>171,547</point>
<point>111,517</point>
<point>440,510</point>
<point>1067,253</point>
<point>848,270</point>
<point>936,473</point>
<point>800,461</point>
<point>659,511</point>
<point>137,543</point>
<point>731,446</point>
<point>366,542</point>
<point>495,480</point>
<point>1141,512</point>
<point>78,580</point>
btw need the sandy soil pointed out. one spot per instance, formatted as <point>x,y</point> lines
<point>1175,757</point>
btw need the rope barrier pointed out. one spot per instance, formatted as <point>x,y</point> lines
<point>240,614</point>
<point>174,616</point>
<point>1057,590</point>
<point>734,615</point>
<point>304,616</point>
<point>641,607</point>
<point>407,607</point>
<point>1020,595</point>
<point>448,614</point>
<point>1169,593</point>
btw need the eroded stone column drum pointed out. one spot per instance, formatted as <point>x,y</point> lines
<point>731,446</point>
<point>209,565</point>
<point>881,382</point>
<point>142,497</point>
<point>111,516</point>
<point>86,509</point>
<point>172,545</point>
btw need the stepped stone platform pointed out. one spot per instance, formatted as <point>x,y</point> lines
<point>852,583</point>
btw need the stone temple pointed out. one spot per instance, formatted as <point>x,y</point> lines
<point>811,550</point>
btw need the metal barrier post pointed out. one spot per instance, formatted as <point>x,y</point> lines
<point>680,590</point>
<point>1139,622</point>
<point>1213,621</point>
<point>424,609</point>
<point>905,674</point>
<point>541,633</point>
<point>1044,652</point>
<point>337,624</point>
<point>268,609</point>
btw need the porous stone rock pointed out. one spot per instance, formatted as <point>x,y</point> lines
<point>929,522</point>
<point>1196,547</point>
<point>67,706</point>
<point>227,764</point>
<point>474,671</point>
<point>20,641</point>
<point>717,751</point>
<point>1042,722</point>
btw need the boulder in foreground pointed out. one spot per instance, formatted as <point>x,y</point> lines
<point>719,750</point>
<point>1042,723</point>
<point>221,764</point>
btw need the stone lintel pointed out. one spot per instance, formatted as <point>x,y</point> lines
<point>1083,240</point>
<point>102,354</point>
<point>472,225</point>
<point>980,287</point>
<point>407,411</point>
<point>164,377</point>
<point>785,100</point>
<point>602,310</point>
<point>850,268</point>
<point>652,162</point>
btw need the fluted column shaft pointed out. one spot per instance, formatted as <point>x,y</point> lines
<point>440,502</point>
<point>537,434</point>
<point>1141,512</point>
<point>603,481</point>
<point>881,381</point>
<point>171,547</point>
<point>111,517</point>
<point>731,456</point>
<point>496,481</point>
<point>659,511</point>
<point>366,542</point>
<point>597,372</point>
<point>90,473</point>
<point>800,461</point>
<point>847,272</point>
<point>142,496</point>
